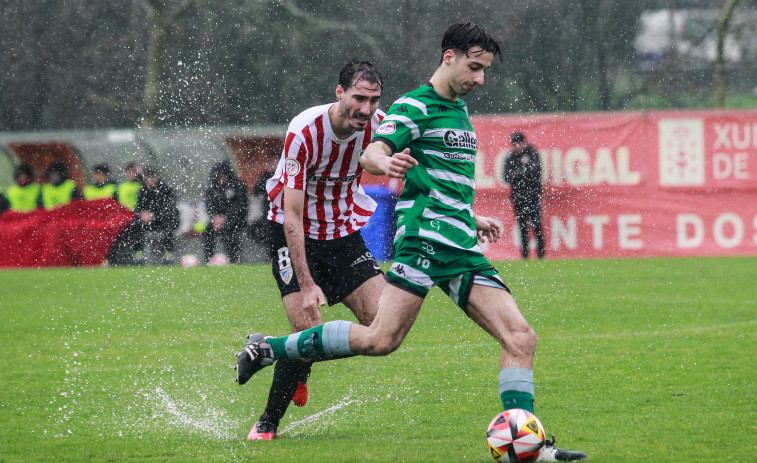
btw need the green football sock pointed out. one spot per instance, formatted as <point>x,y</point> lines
<point>514,399</point>
<point>516,388</point>
<point>326,341</point>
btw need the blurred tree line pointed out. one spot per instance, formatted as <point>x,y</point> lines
<point>161,63</point>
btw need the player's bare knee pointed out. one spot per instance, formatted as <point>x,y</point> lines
<point>525,341</point>
<point>387,347</point>
<point>529,340</point>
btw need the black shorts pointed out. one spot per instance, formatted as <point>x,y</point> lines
<point>338,266</point>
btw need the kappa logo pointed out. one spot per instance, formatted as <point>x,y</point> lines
<point>293,167</point>
<point>399,269</point>
<point>681,151</point>
<point>387,128</point>
<point>460,139</point>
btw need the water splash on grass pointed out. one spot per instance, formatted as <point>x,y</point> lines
<point>192,416</point>
<point>322,418</point>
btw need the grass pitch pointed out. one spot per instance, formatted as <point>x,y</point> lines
<point>638,360</point>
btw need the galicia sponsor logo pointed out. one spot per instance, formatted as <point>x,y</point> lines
<point>460,139</point>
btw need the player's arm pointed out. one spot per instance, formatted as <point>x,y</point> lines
<point>378,160</point>
<point>488,228</point>
<point>294,200</point>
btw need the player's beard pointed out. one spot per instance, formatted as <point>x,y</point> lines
<point>356,120</point>
<point>360,123</point>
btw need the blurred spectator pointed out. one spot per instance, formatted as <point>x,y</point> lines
<point>523,172</point>
<point>155,214</point>
<point>24,196</point>
<point>258,228</point>
<point>156,211</point>
<point>227,204</point>
<point>102,186</point>
<point>128,190</point>
<point>59,190</point>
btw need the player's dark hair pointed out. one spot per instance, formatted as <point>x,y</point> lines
<point>355,70</point>
<point>461,37</point>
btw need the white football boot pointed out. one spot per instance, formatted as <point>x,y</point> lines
<point>551,453</point>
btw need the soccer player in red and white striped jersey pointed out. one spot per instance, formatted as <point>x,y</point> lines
<point>324,164</point>
<point>317,208</point>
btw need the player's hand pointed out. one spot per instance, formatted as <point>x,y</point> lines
<point>312,297</point>
<point>488,229</point>
<point>398,165</point>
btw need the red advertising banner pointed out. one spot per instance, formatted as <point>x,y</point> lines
<point>678,183</point>
<point>80,233</point>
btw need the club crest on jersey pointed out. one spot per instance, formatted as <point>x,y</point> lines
<point>460,139</point>
<point>292,167</point>
<point>286,275</point>
<point>387,128</point>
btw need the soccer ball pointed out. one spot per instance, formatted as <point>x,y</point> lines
<point>516,436</point>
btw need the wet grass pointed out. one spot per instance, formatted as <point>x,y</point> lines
<point>638,360</point>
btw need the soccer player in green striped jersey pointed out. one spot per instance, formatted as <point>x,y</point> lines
<point>427,140</point>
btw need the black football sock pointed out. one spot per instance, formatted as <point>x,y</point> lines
<point>286,374</point>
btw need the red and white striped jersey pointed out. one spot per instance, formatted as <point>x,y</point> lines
<point>327,169</point>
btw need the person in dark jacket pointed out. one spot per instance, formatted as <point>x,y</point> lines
<point>523,172</point>
<point>156,211</point>
<point>227,205</point>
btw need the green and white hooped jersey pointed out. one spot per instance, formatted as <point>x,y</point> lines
<point>436,203</point>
